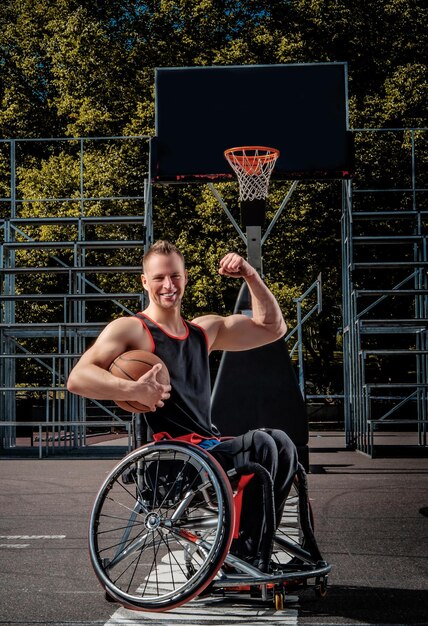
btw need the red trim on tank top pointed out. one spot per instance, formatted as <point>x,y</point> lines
<point>152,341</point>
<point>203,331</point>
<point>164,331</point>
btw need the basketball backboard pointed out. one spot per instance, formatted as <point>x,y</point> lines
<point>300,109</point>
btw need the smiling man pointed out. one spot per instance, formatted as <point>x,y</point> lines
<point>183,408</point>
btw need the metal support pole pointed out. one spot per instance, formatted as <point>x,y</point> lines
<point>223,205</point>
<point>300,348</point>
<point>254,249</point>
<point>348,327</point>
<point>280,210</point>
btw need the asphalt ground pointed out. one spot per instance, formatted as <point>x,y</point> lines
<point>371,525</point>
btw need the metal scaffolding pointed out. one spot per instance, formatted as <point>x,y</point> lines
<point>384,285</point>
<point>47,269</point>
<point>385,290</point>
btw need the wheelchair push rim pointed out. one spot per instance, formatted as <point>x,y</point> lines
<point>161,526</point>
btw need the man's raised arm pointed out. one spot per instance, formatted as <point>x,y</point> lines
<point>239,332</point>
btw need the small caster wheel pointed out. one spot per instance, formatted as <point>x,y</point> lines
<point>279,600</point>
<point>321,587</point>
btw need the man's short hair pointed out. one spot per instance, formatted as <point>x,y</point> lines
<point>162,246</point>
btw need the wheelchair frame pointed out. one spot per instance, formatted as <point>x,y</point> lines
<point>163,522</point>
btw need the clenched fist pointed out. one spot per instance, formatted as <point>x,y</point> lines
<point>235,266</point>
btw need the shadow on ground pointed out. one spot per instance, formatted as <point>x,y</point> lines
<point>373,605</point>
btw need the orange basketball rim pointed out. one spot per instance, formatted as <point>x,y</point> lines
<point>252,159</point>
<point>253,166</point>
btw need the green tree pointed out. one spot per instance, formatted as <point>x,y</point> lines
<point>86,68</point>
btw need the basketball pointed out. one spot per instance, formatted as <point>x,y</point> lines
<point>133,364</point>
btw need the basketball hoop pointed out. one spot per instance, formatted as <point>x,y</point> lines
<point>253,166</point>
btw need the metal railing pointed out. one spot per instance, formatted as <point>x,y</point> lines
<point>315,288</point>
<point>73,438</point>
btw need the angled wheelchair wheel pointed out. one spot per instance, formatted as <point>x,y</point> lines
<point>294,544</point>
<point>161,526</point>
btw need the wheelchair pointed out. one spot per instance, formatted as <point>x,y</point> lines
<point>163,523</point>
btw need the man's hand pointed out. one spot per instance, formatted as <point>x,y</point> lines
<point>235,266</point>
<point>150,391</point>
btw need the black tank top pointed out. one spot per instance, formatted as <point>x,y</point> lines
<point>188,410</point>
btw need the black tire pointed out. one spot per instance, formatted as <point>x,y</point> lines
<point>161,526</point>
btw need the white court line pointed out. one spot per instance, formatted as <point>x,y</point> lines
<point>25,538</point>
<point>204,612</point>
<point>33,536</point>
<point>217,611</point>
<point>208,611</point>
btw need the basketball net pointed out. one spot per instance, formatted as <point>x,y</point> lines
<point>253,165</point>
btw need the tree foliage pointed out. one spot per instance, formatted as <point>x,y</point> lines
<point>72,68</point>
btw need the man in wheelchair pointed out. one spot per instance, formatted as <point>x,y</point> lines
<point>182,409</point>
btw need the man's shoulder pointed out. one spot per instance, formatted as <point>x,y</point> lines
<point>129,332</point>
<point>122,325</point>
<point>209,325</point>
<point>126,320</point>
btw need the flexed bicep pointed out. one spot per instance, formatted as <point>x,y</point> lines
<point>234,332</point>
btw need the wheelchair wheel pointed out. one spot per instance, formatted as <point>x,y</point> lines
<point>294,541</point>
<point>161,526</point>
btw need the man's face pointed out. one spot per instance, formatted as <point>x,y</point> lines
<point>165,279</point>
